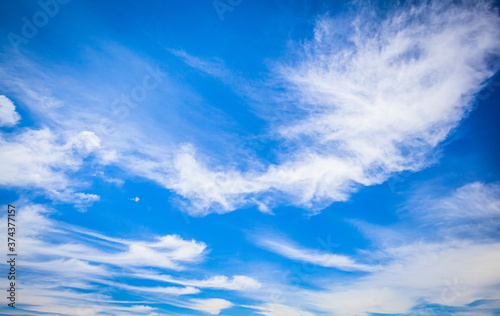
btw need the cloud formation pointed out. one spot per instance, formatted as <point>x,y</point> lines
<point>421,269</point>
<point>62,262</point>
<point>366,98</point>
<point>313,256</point>
<point>374,100</point>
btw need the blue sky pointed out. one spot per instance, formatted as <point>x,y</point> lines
<point>251,157</point>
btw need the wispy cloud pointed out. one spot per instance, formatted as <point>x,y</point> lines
<point>364,104</point>
<point>237,282</point>
<point>280,310</point>
<point>429,267</point>
<point>43,159</point>
<point>377,100</point>
<point>313,256</point>
<point>444,274</point>
<point>471,210</point>
<point>366,98</point>
<point>214,67</point>
<point>74,260</point>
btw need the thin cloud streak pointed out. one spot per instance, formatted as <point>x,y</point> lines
<point>313,256</point>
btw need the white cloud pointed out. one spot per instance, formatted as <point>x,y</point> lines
<point>365,102</point>
<point>168,252</point>
<point>381,103</point>
<point>42,159</point>
<point>374,100</point>
<point>271,309</point>
<point>434,264</point>
<point>236,283</point>
<point>313,256</point>
<point>212,306</point>
<point>70,302</point>
<point>214,67</point>
<point>251,91</point>
<point>170,290</point>
<point>71,270</point>
<point>165,250</point>
<point>471,211</point>
<point>85,142</point>
<point>451,274</point>
<point>72,267</point>
<point>8,114</point>
<point>473,201</point>
<point>31,157</point>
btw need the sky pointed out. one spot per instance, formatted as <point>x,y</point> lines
<point>236,157</point>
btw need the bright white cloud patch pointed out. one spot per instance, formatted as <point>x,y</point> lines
<point>8,114</point>
<point>375,100</point>
<point>212,306</point>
